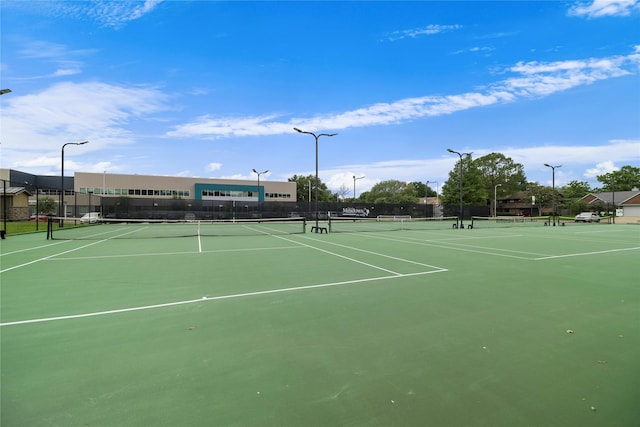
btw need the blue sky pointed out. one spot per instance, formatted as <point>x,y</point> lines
<point>214,89</point>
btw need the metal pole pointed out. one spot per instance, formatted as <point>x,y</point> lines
<point>495,200</point>
<point>259,203</point>
<point>37,208</point>
<point>4,186</point>
<point>354,185</point>
<point>613,199</point>
<point>317,181</point>
<point>4,205</point>
<point>460,181</point>
<point>553,189</point>
<point>61,209</point>
<point>460,185</point>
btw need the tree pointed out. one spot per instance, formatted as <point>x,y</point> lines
<point>422,190</point>
<point>572,195</point>
<point>543,196</point>
<point>474,191</point>
<point>343,191</point>
<point>625,179</point>
<point>392,191</point>
<point>575,190</point>
<point>305,185</point>
<point>46,205</point>
<point>500,175</point>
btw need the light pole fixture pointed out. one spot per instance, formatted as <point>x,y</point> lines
<point>4,187</point>
<point>259,204</point>
<point>613,198</point>
<point>4,207</point>
<point>426,196</point>
<point>354,185</point>
<point>553,188</point>
<point>317,183</point>
<point>460,181</point>
<point>495,200</point>
<point>61,209</point>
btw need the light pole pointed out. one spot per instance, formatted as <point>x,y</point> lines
<point>61,209</point>
<point>4,188</point>
<point>317,184</point>
<point>533,200</point>
<point>613,199</point>
<point>495,200</point>
<point>4,207</point>
<point>426,196</point>
<point>553,188</point>
<point>259,205</point>
<point>460,183</point>
<point>354,185</point>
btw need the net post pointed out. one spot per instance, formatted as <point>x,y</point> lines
<point>49,227</point>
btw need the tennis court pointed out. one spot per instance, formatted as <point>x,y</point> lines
<point>494,326</point>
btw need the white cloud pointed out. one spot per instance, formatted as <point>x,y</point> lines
<point>106,13</point>
<point>532,79</point>
<point>66,72</point>
<point>600,8</point>
<point>213,167</point>
<point>38,124</point>
<point>429,30</point>
<point>65,61</point>
<point>600,169</point>
<point>572,158</point>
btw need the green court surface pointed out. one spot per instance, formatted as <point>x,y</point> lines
<point>513,326</point>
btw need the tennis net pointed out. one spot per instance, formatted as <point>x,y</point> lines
<point>349,224</point>
<point>147,228</point>
<point>510,221</point>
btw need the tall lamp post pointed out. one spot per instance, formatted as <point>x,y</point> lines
<point>613,199</point>
<point>4,207</point>
<point>61,209</point>
<point>4,187</point>
<point>460,181</point>
<point>426,196</point>
<point>553,188</point>
<point>495,200</point>
<point>259,204</point>
<point>354,185</point>
<point>317,183</point>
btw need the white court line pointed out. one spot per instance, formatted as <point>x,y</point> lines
<point>408,261</point>
<point>221,297</point>
<point>340,256</point>
<point>34,248</point>
<point>49,257</point>
<point>448,245</point>
<point>151,254</point>
<point>58,254</point>
<point>585,253</point>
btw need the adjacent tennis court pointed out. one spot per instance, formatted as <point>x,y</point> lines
<point>268,324</point>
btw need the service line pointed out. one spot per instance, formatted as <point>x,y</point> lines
<point>216,298</point>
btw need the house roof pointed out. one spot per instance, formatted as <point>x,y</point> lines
<point>14,191</point>
<point>618,197</point>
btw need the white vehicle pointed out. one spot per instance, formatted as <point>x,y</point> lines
<point>587,217</point>
<point>91,218</point>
